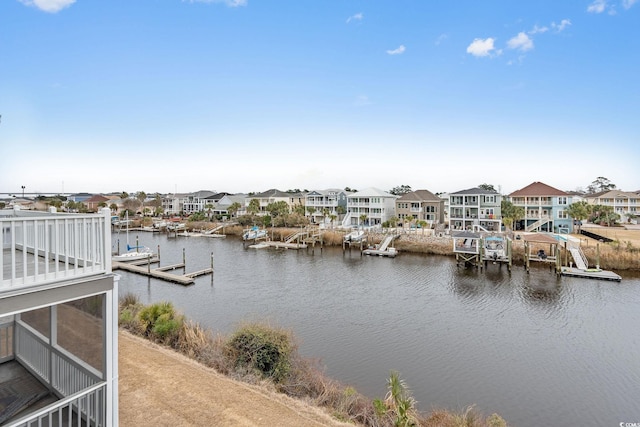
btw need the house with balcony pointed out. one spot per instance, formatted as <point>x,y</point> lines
<point>369,208</point>
<point>545,208</point>
<point>227,200</point>
<point>475,209</point>
<point>196,202</point>
<point>172,204</point>
<point>273,196</point>
<point>420,205</point>
<point>624,203</point>
<point>321,203</point>
<point>58,320</point>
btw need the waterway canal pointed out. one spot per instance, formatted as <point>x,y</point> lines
<point>537,349</point>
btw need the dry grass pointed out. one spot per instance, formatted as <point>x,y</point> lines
<point>305,380</point>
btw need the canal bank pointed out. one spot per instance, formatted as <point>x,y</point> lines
<point>526,346</point>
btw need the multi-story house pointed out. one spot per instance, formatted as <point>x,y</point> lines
<point>274,196</point>
<point>321,202</point>
<point>475,208</point>
<point>624,203</point>
<point>222,207</point>
<point>420,205</point>
<point>58,319</point>
<point>172,204</point>
<point>196,202</point>
<point>369,207</point>
<point>545,208</point>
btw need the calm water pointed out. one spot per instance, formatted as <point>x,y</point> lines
<point>539,350</point>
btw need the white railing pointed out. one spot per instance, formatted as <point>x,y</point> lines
<point>6,341</point>
<point>66,375</point>
<point>83,408</point>
<point>40,247</point>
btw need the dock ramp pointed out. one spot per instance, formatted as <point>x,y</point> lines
<point>578,257</point>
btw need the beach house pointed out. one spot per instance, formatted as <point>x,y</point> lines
<point>58,319</point>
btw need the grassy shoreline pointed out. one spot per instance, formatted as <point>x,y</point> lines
<point>261,354</point>
<point>621,255</point>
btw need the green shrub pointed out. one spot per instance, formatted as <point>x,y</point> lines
<point>161,322</point>
<point>262,349</point>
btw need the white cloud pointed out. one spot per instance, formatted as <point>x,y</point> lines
<point>441,38</point>
<point>521,42</point>
<point>628,3</point>
<point>480,47</point>
<point>397,51</point>
<point>230,3</point>
<point>356,17</point>
<point>51,6</point>
<point>598,6</point>
<point>561,26</point>
<point>537,30</point>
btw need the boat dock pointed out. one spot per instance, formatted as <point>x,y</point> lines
<point>383,249</point>
<point>591,273</point>
<point>143,267</point>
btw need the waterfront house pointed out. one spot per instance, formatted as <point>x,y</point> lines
<point>325,201</point>
<point>420,205</point>
<point>273,196</point>
<point>58,319</point>
<point>475,209</point>
<point>222,207</point>
<point>369,207</point>
<point>196,202</point>
<point>624,203</point>
<point>545,208</point>
<point>172,204</point>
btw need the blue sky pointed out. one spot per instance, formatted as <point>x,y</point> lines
<point>246,95</point>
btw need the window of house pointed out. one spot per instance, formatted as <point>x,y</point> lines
<point>562,200</point>
<point>563,214</point>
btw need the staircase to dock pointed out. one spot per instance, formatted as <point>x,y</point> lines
<point>386,242</point>
<point>579,257</point>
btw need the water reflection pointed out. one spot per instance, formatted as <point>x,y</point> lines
<point>526,345</point>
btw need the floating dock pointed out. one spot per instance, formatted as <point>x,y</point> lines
<point>591,273</point>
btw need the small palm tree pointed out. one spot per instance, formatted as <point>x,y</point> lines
<point>363,218</point>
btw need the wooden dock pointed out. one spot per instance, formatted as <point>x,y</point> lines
<point>162,272</point>
<point>591,273</point>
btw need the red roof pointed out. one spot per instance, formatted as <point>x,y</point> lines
<point>538,189</point>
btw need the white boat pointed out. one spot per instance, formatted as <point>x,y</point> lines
<point>254,233</point>
<point>133,253</point>
<point>495,248</point>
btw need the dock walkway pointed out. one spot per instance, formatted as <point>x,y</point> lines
<point>161,272</point>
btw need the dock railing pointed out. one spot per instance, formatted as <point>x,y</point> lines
<point>45,247</point>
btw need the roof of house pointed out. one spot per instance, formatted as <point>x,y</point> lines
<point>273,193</point>
<point>474,191</point>
<point>327,191</point>
<point>612,194</point>
<point>371,192</point>
<point>421,195</point>
<point>538,189</point>
<point>97,199</point>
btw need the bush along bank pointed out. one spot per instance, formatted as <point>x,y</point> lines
<point>259,353</point>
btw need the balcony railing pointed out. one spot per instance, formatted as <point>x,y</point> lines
<point>40,247</point>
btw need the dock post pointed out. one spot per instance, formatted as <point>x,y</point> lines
<point>118,246</point>
<point>158,255</point>
<point>137,244</point>
<point>149,265</point>
<point>597,256</point>
<point>212,262</point>
<point>184,260</point>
